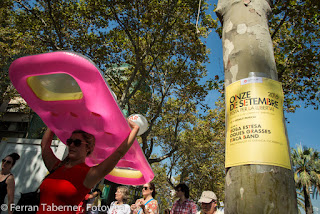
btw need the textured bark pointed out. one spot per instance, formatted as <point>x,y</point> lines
<point>308,206</point>
<point>247,47</point>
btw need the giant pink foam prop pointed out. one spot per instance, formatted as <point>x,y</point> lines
<point>97,112</point>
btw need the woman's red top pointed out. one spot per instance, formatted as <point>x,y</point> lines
<point>63,190</point>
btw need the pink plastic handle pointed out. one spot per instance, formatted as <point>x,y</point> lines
<point>92,108</point>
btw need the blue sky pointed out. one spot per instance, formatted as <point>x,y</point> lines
<point>303,129</point>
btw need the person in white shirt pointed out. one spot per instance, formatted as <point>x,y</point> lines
<point>119,206</point>
<point>209,202</point>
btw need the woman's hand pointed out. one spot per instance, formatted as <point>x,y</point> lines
<point>142,206</point>
<point>133,207</point>
<point>133,125</point>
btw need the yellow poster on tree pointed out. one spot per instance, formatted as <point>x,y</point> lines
<point>255,127</point>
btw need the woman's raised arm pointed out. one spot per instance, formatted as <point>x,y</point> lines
<point>96,173</point>
<point>49,158</point>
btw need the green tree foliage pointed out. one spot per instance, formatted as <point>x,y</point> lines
<point>156,39</point>
<point>150,52</point>
<point>300,201</point>
<point>306,165</point>
<point>200,157</point>
<point>13,44</point>
<point>163,195</point>
<point>295,31</point>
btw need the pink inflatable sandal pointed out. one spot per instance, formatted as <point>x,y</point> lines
<point>69,93</point>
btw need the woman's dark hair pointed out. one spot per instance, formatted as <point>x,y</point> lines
<point>184,188</point>
<point>152,186</point>
<point>14,157</point>
<point>89,138</point>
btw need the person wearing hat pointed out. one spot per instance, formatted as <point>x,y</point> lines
<point>209,202</point>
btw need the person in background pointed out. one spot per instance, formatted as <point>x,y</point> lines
<point>93,201</point>
<point>7,184</point>
<point>183,205</point>
<point>120,206</point>
<point>89,200</point>
<point>147,204</point>
<point>209,202</point>
<point>71,179</point>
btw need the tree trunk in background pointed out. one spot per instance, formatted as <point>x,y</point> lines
<point>247,47</point>
<point>308,206</point>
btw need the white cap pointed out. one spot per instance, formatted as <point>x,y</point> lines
<point>207,197</point>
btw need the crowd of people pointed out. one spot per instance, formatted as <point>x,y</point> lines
<point>149,205</point>
<point>70,181</point>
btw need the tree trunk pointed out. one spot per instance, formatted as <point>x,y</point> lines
<point>247,49</point>
<point>307,201</point>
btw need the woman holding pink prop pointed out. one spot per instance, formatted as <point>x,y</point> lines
<point>71,179</point>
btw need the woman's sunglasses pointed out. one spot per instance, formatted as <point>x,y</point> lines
<point>76,142</point>
<point>6,161</point>
<point>145,188</point>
